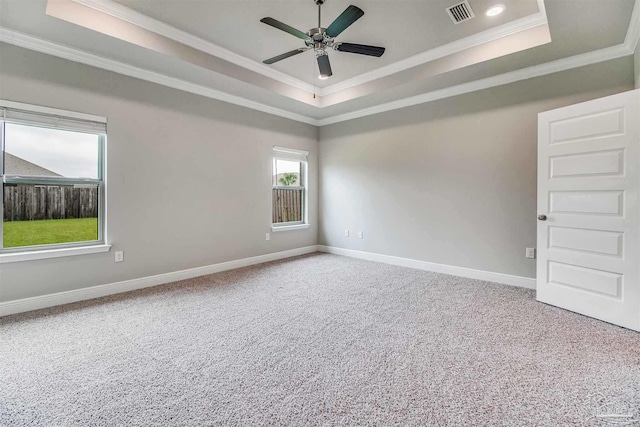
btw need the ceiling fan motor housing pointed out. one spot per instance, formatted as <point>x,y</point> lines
<point>317,34</point>
<point>318,38</point>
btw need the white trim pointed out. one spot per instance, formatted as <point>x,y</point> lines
<point>52,253</point>
<point>131,16</point>
<point>633,32</point>
<point>275,228</point>
<point>613,52</point>
<point>50,300</point>
<point>76,55</point>
<point>43,46</point>
<point>488,276</point>
<point>141,20</point>
<point>487,36</point>
<point>51,111</point>
<point>290,154</point>
<point>544,69</point>
<point>43,301</point>
<point>290,150</point>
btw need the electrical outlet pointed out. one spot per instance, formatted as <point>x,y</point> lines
<point>346,233</point>
<point>360,235</point>
<point>119,256</point>
<point>267,236</point>
<point>530,253</point>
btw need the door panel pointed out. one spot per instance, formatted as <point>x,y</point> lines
<point>585,279</point>
<point>588,187</point>
<point>603,163</point>
<point>581,240</point>
<point>587,126</point>
<point>609,203</point>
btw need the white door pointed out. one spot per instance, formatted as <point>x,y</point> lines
<point>589,212</point>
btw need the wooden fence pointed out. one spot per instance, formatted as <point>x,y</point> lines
<point>34,202</point>
<point>287,205</point>
<point>30,202</point>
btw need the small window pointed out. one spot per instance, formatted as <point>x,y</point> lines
<point>289,192</point>
<point>52,180</point>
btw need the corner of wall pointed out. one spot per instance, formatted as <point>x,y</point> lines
<point>319,183</point>
<point>411,179</point>
<point>636,65</point>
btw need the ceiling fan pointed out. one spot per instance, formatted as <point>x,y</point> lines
<point>319,39</point>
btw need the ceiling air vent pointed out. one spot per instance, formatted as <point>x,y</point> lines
<point>460,12</point>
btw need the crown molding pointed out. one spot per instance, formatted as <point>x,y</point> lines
<point>633,32</point>
<point>131,16</point>
<point>487,36</point>
<point>80,56</point>
<point>76,55</point>
<point>564,64</point>
<point>625,49</point>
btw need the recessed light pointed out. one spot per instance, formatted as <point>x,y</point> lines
<point>494,10</point>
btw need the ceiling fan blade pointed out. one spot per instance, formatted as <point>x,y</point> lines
<point>362,49</point>
<point>284,56</point>
<point>284,27</point>
<point>325,66</point>
<point>342,22</point>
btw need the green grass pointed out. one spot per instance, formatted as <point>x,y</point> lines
<point>47,232</point>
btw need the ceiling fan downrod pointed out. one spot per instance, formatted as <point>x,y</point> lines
<point>317,34</point>
<point>319,3</point>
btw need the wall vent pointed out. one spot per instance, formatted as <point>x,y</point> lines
<point>460,12</point>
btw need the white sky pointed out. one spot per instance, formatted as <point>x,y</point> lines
<point>284,166</point>
<point>287,166</point>
<point>70,154</point>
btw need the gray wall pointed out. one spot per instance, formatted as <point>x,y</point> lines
<point>189,178</point>
<point>451,181</point>
<point>637,65</point>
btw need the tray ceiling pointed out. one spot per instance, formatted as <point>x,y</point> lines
<point>215,48</point>
<point>404,27</point>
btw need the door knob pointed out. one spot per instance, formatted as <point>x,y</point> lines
<point>542,217</point>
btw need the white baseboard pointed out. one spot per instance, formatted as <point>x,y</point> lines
<point>505,279</point>
<point>50,300</point>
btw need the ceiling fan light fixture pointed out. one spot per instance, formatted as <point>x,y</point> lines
<point>495,10</point>
<point>324,66</point>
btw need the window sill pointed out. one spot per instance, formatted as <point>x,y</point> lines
<point>52,253</point>
<point>289,227</point>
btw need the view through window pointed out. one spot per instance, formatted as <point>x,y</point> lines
<point>53,186</point>
<point>289,185</point>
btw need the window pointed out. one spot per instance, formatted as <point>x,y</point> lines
<point>289,192</point>
<point>52,166</point>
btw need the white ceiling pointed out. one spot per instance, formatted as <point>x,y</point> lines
<point>404,27</point>
<point>215,47</point>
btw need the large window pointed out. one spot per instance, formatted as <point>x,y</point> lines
<point>52,169</point>
<point>289,192</point>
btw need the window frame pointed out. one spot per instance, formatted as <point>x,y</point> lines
<point>24,253</point>
<point>292,155</point>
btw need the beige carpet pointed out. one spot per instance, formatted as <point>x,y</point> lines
<point>317,340</point>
